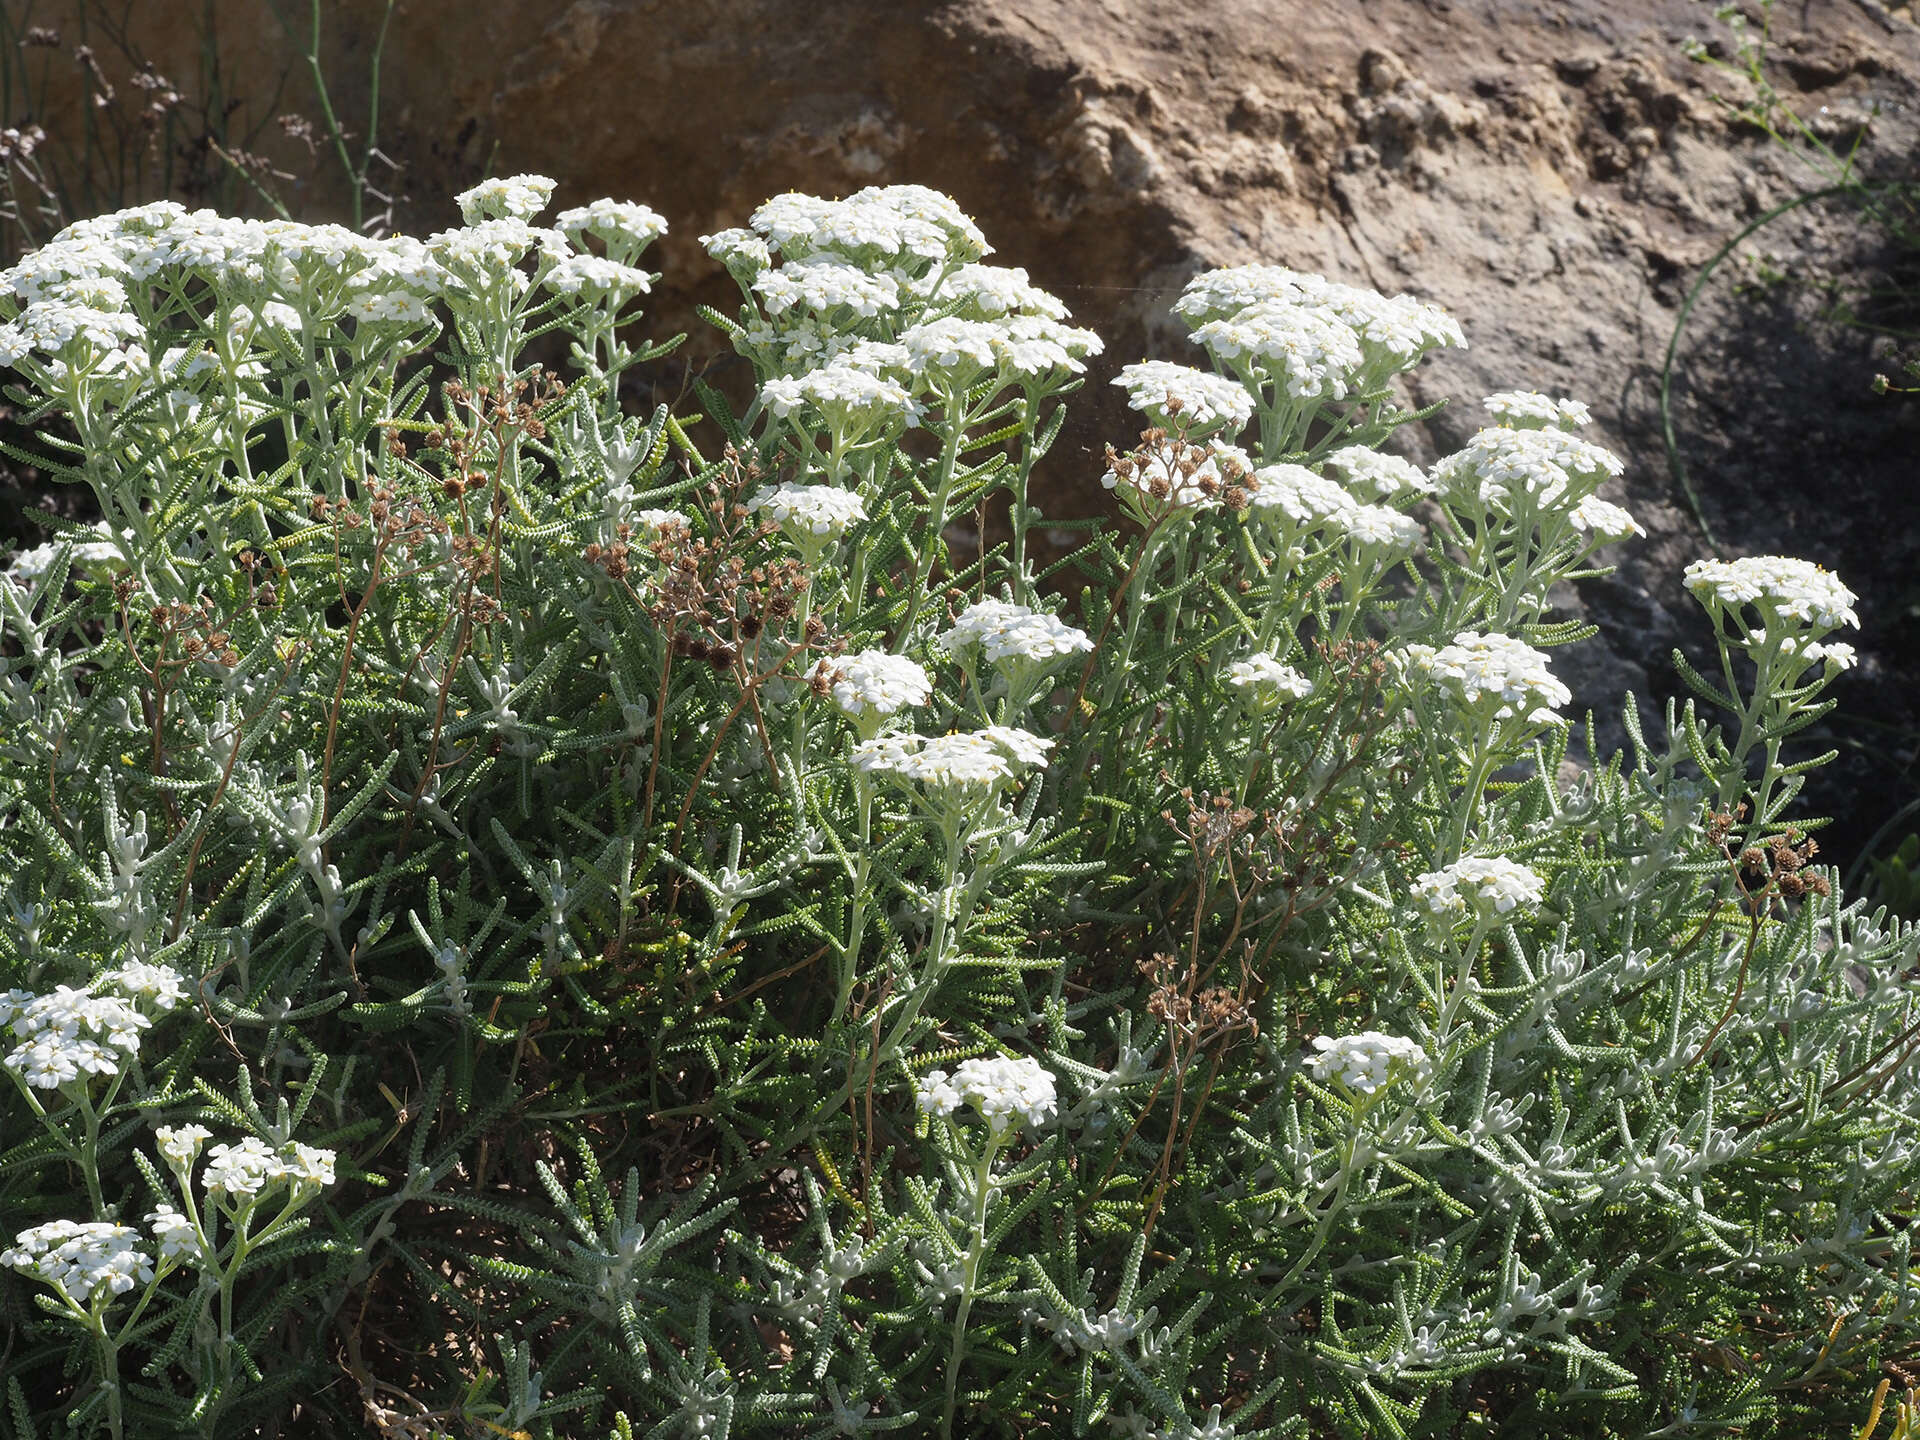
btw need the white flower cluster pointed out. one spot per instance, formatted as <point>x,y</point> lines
<point>874,684</point>
<point>817,511</point>
<point>1294,499</point>
<point>622,226</point>
<point>1835,656</point>
<point>901,223</point>
<point>1180,397</point>
<point>179,1145</point>
<point>1297,498</point>
<point>1005,1092</point>
<point>1498,669</point>
<point>891,271</point>
<point>1608,523</point>
<point>1530,410</point>
<point>1366,1063</point>
<point>1379,476</point>
<point>825,286</point>
<point>967,760</point>
<point>1484,885</point>
<point>70,1032</point>
<point>1000,632</point>
<point>160,986</point>
<point>175,1232</point>
<point>82,1258</point>
<point>1308,351</point>
<point>1550,470</point>
<point>1265,678</point>
<point>989,291</point>
<point>1778,587</point>
<point>515,197</point>
<point>597,277</point>
<point>81,299</point>
<point>29,565</point>
<point>1314,338</point>
<point>850,392</point>
<point>951,351</point>
<point>1384,531</point>
<point>244,1171</point>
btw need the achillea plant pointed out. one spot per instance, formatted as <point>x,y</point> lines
<point>529,919</point>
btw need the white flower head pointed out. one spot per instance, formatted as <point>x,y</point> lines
<point>1218,294</point>
<point>850,393</point>
<point>1368,1062</point>
<point>1180,397</point>
<point>515,197</point>
<point>1038,348</point>
<point>1530,410</point>
<point>1487,886</point>
<point>967,763</point>
<point>597,277</point>
<point>874,684</point>
<point>744,253</point>
<point>1379,476</point>
<point>1383,532</point>
<point>240,1171</point>
<point>826,286</point>
<point>175,1233</point>
<point>991,291</point>
<point>810,513</point>
<point>1606,522</point>
<point>1265,680</point>
<point>1784,592</point>
<point>307,1165</point>
<point>1498,671</point>
<point>1506,469</point>
<point>160,986</point>
<point>623,227</point>
<point>1003,633</point>
<point>86,1259</point>
<point>952,351</point>
<point>1307,352</point>
<point>179,1145</point>
<point>1294,498</point>
<point>1832,654</point>
<point>1006,1092</point>
<point>69,1033</point>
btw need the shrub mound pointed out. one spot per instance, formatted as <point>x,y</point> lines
<point>532,919</point>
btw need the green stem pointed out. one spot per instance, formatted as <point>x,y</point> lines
<point>857,923</point>
<point>969,1277</point>
<point>1469,807</point>
<point>108,1354</point>
<point>937,520</point>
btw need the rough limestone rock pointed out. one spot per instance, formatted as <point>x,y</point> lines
<point>1556,174</point>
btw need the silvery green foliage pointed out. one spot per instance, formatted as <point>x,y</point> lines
<point>646,924</point>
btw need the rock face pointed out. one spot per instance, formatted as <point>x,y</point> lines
<point>1555,174</point>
